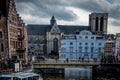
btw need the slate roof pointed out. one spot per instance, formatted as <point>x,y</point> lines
<point>38,29</point>
<point>71,29</point>
<point>110,37</point>
<point>42,29</point>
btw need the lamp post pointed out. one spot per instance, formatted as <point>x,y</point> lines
<point>76,47</point>
<point>96,53</point>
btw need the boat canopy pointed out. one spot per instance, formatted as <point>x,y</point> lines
<point>26,75</point>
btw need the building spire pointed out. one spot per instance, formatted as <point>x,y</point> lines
<point>53,18</point>
<point>52,21</point>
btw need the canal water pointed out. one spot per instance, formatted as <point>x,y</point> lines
<point>83,73</point>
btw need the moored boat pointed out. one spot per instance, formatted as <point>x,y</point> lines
<point>21,76</point>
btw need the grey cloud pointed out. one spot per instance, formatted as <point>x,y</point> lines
<point>115,23</point>
<point>115,11</point>
<point>46,8</point>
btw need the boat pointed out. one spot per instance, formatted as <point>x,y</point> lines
<point>21,76</point>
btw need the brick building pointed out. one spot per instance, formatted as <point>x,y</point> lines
<point>109,44</point>
<point>13,32</point>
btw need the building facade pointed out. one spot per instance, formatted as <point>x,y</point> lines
<point>35,47</point>
<point>109,44</point>
<point>3,30</point>
<point>117,46</point>
<point>13,32</point>
<point>53,33</point>
<point>84,45</point>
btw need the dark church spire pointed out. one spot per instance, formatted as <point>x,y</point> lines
<point>52,21</point>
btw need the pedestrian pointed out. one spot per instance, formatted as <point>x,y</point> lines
<point>56,60</point>
<point>67,59</point>
<point>79,59</point>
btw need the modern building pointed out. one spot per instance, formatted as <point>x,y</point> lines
<point>13,32</point>
<point>53,33</point>
<point>84,45</point>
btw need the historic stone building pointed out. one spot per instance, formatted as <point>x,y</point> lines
<point>98,22</point>
<point>109,44</point>
<point>53,33</point>
<point>13,32</point>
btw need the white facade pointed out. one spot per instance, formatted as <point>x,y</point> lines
<point>84,45</point>
<point>117,44</point>
<point>53,39</point>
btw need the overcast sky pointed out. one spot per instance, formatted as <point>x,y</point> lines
<point>69,12</point>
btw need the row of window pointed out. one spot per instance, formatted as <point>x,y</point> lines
<point>86,37</point>
<point>79,56</point>
<point>83,49</point>
<point>71,43</point>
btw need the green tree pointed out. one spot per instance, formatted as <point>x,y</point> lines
<point>102,54</point>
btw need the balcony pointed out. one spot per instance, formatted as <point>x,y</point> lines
<point>20,50</point>
<point>20,37</point>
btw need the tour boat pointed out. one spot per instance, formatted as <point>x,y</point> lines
<point>21,76</point>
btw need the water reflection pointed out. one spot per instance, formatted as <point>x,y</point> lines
<point>78,73</point>
<point>83,73</point>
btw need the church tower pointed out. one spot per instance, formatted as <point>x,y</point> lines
<point>98,23</point>
<point>53,37</point>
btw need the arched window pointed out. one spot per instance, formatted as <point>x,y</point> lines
<point>101,23</point>
<point>96,23</point>
<point>2,47</point>
<point>1,34</point>
<point>55,43</point>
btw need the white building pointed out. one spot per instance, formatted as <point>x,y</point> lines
<point>117,44</point>
<point>83,45</point>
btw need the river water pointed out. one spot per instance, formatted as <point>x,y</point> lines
<point>83,73</point>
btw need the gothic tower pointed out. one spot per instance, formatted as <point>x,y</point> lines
<point>53,37</point>
<point>98,23</point>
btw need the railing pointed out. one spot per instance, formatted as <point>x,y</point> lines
<point>62,64</point>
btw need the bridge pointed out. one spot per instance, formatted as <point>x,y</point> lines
<point>63,64</point>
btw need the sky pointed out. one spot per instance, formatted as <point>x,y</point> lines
<point>69,12</point>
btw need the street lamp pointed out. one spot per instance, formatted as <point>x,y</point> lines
<point>76,47</point>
